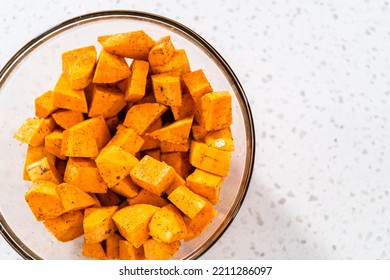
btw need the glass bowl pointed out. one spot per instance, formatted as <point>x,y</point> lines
<point>35,68</point>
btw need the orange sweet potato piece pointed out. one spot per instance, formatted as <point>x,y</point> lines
<point>198,132</point>
<point>220,139</point>
<point>187,201</point>
<point>66,227</point>
<point>78,66</point>
<point>167,147</point>
<point>134,44</point>
<point>35,153</point>
<point>44,201</point>
<point>126,188</point>
<point>152,175</point>
<point>177,182</point>
<point>84,174</point>
<point>167,89</point>
<point>141,116</point>
<point>44,105</point>
<point>155,250</point>
<point>177,132</point>
<point>179,161</point>
<point>67,98</point>
<point>162,52</point>
<point>128,252</point>
<point>127,139</point>
<point>216,110</point>
<point>167,224</point>
<point>205,184</point>
<point>200,222</point>
<point>115,164</point>
<point>43,169</point>
<point>85,138</point>
<point>112,246</point>
<point>186,109</point>
<point>136,84</point>
<point>209,159</point>
<point>147,197</point>
<point>132,222</point>
<point>178,64</point>
<point>98,224</point>
<point>53,143</point>
<point>67,118</point>
<point>109,198</point>
<point>93,251</point>
<point>106,101</point>
<point>33,131</point>
<point>154,153</point>
<point>73,198</point>
<point>197,84</point>
<point>110,68</point>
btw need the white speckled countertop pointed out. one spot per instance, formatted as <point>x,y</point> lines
<point>317,75</point>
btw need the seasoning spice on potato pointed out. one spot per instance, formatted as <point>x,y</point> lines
<point>128,150</point>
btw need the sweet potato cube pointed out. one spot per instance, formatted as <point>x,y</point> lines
<point>134,44</point>
<point>177,182</point>
<point>67,118</point>
<point>209,159</point>
<point>147,197</point>
<point>200,222</point>
<point>216,110</point>
<point>127,139</point>
<point>112,123</point>
<point>43,170</point>
<point>177,132</point>
<point>126,187</point>
<point>93,251</point>
<point>98,224</point>
<point>33,131</point>
<point>205,184</point>
<point>167,89</point>
<point>179,161</point>
<point>132,222</point>
<point>178,64</point>
<point>136,84</point>
<point>220,139</point>
<point>197,84</point>
<point>86,138</point>
<point>167,224</point>
<point>67,98</point>
<point>44,201</point>
<point>167,147</point>
<point>66,227</point>
<point>78,66</point>
<point>110,68</point>
<point>162,52</point>
<point>149,141</point>
<point>53,143</point>
<point>112,246</point>
<point>106,101</point>
<point>73,198</point>
<point>198,132</point>
<point>44,105</point>
<point>109,198</point>
<point>186,109</point>
<point>152,175</point>
<point>187,201</point>
<point>155,250</point>
<point>84,174</point>
<point>115,164</point>
<point>141,116</point>
<point>128,252</point>
<point>35,153</point>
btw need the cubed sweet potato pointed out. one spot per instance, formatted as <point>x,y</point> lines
<point>162,52</point>
<point>73,198</point>
<point>110,68</point>
<point>216,110</point>
<point>178,64</point>
<point>44,105</point>
<point>67,118</point>
<point>187,201</point>
<point>33,131</point>
<point>53,143</point>
<point>106,101</point>
<point>177,132</point>
<point>44,201</point>
<point>98,224</point>
<point>78,65</point>
<point>127,139</point>
<point>167,89</point>
<point>128,252</point>
<point>43,170</point>
<point>152,175</point>
<point>35,153</point>
<point>155,250</point>
<point>66,227</point>
<point>147,197</point>
<point>132,222</point>
<point>220,139</point>
<point>94,251</point>
<point>126,188</point>
<point>136,84</point>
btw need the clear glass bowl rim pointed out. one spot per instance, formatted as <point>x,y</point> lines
<point>5,230</point>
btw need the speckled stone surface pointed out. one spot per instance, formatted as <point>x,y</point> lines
<point>317,75</point>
